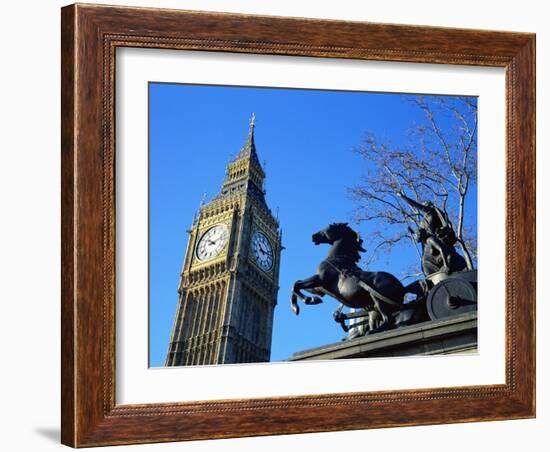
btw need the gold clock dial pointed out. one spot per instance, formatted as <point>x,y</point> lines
<point>212,242</point>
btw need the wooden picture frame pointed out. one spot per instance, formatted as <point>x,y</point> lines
<point>90,36</point>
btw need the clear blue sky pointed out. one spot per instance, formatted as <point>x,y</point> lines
<point>306,139</point>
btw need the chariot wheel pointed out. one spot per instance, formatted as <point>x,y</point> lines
<point>450,297</point>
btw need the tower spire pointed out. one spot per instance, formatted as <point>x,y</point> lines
<point>252,122</point>
<point>244,173</point>
<point>249,149</point>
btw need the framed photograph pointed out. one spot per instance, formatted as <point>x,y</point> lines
<point>281,225</point>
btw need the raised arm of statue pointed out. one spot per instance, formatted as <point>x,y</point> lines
<point>421,207</point>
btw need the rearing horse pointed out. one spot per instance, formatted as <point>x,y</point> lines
<point>340,277</point>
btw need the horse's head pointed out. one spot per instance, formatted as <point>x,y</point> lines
<point>337,231</point>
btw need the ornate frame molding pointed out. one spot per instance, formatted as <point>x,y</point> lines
<point>90,36</point>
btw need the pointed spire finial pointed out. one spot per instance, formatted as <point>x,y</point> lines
<point>252,120</point>
<point>252,125</point>
<point>249,148</point>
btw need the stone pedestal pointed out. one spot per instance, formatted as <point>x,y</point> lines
<point>451,335</point>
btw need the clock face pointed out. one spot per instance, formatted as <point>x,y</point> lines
<point>212,242</point>
<point>262,251</point>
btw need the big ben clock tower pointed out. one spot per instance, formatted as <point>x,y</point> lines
<point>229,281</point>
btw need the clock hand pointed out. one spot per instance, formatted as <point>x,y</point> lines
<point>266,251</point>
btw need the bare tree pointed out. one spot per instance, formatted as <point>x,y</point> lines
<point>439,164</point>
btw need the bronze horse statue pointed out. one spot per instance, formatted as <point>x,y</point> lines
<point>339,277</point>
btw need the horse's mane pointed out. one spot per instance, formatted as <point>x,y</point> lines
<point>344,227</point>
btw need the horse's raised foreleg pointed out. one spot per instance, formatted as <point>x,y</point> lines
<point>305,284</point>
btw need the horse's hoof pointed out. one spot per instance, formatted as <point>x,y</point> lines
<point>295,308</point>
